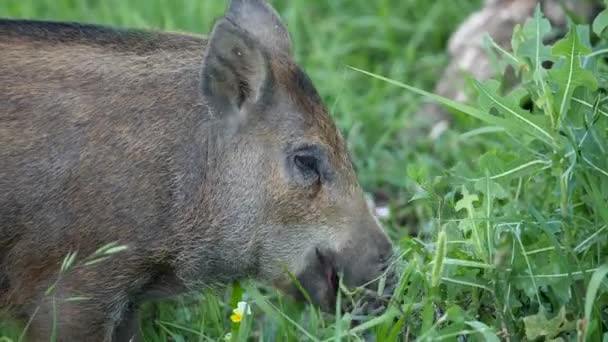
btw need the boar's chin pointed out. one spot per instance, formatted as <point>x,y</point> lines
<point>319,279</point>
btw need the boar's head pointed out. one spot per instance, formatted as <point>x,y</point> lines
<point>281,191</point>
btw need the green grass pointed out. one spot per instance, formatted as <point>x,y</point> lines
<point>510,206</point>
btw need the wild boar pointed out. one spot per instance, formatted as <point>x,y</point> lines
<point>212,159</point>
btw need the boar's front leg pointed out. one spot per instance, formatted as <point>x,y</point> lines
<point>128,328</point>
<point>85,305</point>
<point>69,321</point>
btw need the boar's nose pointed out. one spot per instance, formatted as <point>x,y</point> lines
<point>367,257</point>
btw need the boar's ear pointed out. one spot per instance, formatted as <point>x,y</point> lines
<point>235,70</point>
<point>260,20</point>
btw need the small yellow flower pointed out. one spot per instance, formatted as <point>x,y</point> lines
<point>239,312</point>
<point>236,318</point>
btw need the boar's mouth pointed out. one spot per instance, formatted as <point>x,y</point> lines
<point>330,272</point>
<point>319,280</point>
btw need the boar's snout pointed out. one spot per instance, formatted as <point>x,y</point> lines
<point>365,260</point>
<point>362,260</point>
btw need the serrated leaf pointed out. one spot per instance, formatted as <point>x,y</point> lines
<point>530,49</point>
<point>497,163</point>
<point>467,200</point>
<point>500,60</point>
<point>570,74</point>
<point>509,106</point>
<point>531,36</point>
<point>496,190</point>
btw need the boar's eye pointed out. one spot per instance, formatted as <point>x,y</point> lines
<point>308,165</point>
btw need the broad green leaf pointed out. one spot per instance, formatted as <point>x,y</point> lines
<point>584,36</point>
<point>600,23</point>
<point>540,326</point>
<point>487,333</point>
